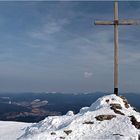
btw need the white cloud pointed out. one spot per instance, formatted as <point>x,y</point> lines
<point>88,74</point>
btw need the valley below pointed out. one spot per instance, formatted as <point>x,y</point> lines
<point>34,107</point>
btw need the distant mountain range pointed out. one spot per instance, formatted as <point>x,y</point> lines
<point>33,107</point>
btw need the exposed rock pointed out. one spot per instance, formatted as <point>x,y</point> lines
<point>67,131</point>
<point>104,117</point>
<point>125,101</point>
<point>116,111</point>
<point>134,109</point>
<point>88,122</point>
<point>118,134</point>
<point>62,137</point>
<point>135,122</point>
<point>107,100</point>
<point>53,133</point>
<point>138,137</point>
<point>116,106</point>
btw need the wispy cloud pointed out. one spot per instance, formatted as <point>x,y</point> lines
<point>57,41</point>
<point>88,74</point>
<point>48,28</point>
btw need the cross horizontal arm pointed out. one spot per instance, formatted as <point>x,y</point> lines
<point>118,22</point>
<point>128,22</point>
<point>104,23</point>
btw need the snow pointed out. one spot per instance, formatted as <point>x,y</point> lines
<point>84,125</point>
<point>12,130</point>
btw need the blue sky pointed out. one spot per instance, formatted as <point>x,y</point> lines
<point>54,46</point>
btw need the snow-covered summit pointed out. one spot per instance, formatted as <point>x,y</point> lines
<point>105,102</point>
<point>110,117</point>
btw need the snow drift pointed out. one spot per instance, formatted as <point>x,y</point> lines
<point>110,117</point>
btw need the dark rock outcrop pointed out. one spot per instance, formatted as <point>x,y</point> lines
<point>62,137</point>
<point>88,122</point>
<point>118,134</point>
<point>135,122</point>
<point>107,100</point>
<point>116,106</point>
<point>117,111</point>
<point>104,117</point>
<point>67,131</point>
<point>53,133</point>
<point>125,101</point>
<point>138,137</point>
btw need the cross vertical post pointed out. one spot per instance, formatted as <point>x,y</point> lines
<point>116,22</point>
<point>116,47</point>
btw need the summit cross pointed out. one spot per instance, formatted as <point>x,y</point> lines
<point>116,22</point>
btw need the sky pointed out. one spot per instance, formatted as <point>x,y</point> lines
<point>55,47</point>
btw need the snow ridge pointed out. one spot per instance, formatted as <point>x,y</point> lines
<point>110,117</point>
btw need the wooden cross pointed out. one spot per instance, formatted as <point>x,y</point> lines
<point>116,22</point>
